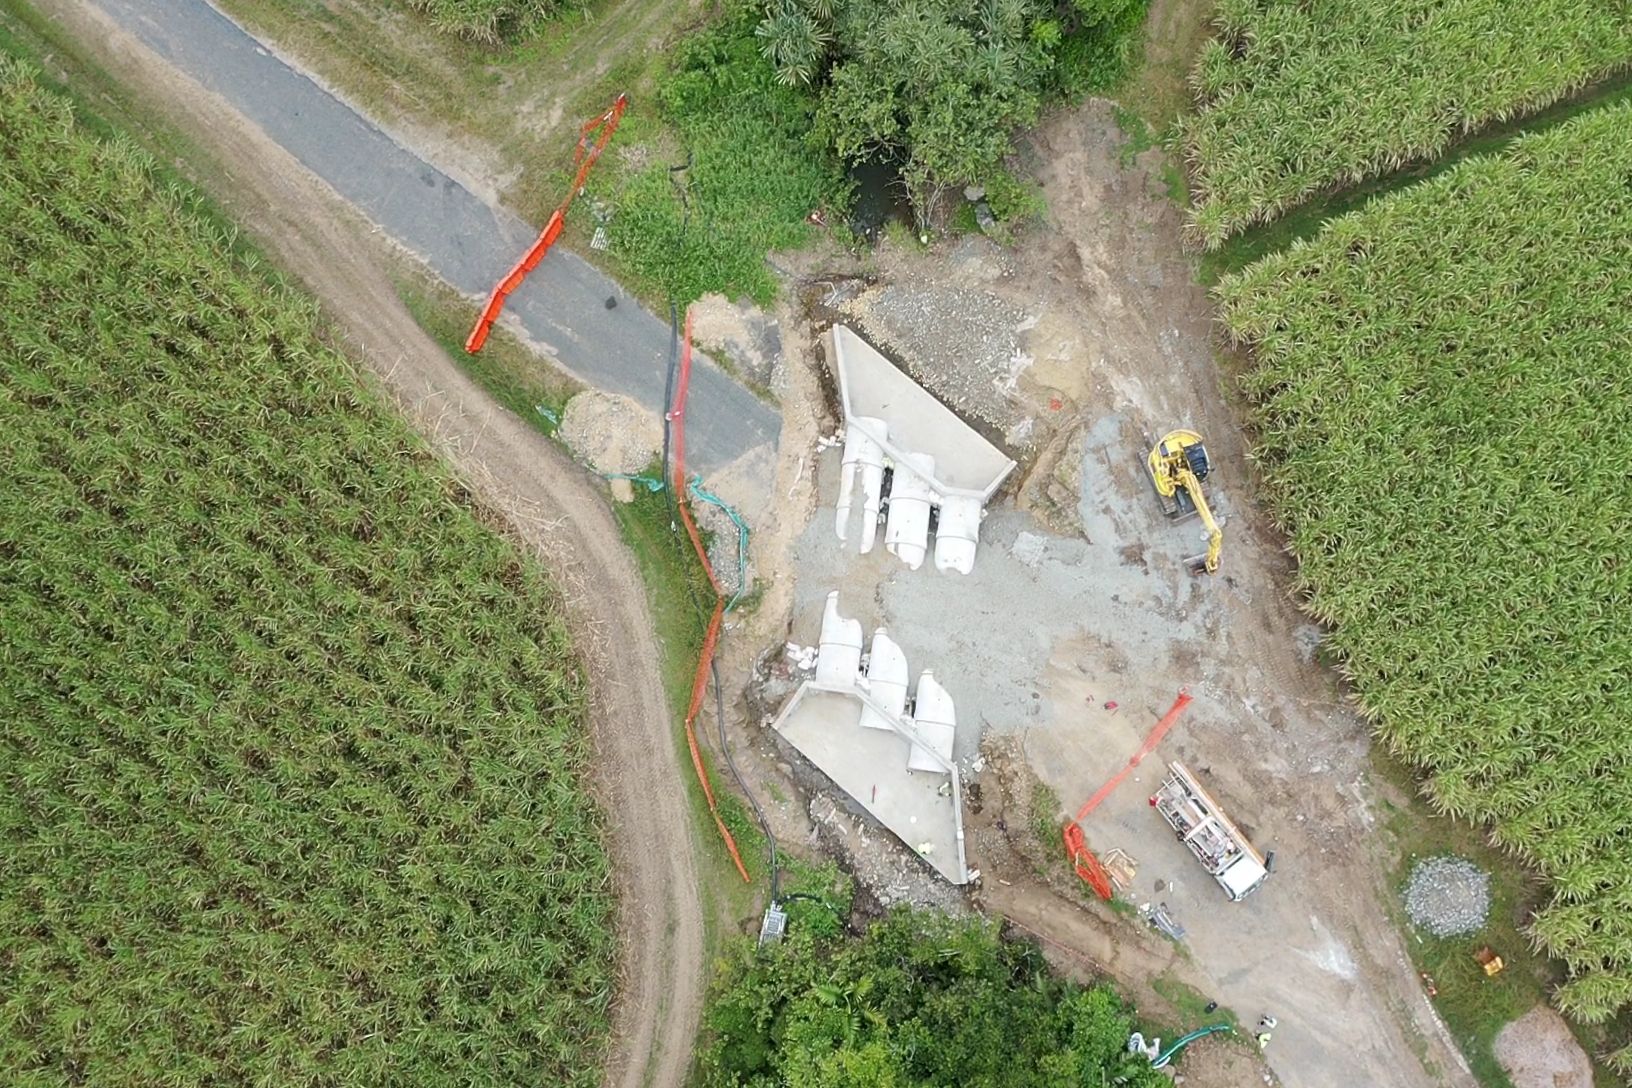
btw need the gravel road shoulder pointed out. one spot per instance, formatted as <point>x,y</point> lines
<point>549,502</point>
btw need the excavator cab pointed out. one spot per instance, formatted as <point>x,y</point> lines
<point>1178,464</point>
<point>1195,455</point>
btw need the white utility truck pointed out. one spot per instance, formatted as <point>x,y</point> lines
<point>1202,826</point>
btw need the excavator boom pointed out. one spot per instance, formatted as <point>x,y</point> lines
<point>1178,465</point>
<point>1215,535</point>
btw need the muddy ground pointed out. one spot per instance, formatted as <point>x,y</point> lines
<point>1074,348</point>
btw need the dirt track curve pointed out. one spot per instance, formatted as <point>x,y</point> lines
<point>546,498</point>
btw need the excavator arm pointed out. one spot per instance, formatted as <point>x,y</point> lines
<point>1215,535</point>
<point>1179,463</point>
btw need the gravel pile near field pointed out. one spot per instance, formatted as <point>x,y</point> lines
<point>1448,896</point>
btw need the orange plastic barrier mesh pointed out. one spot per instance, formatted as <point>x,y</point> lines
<point>1088,866</point>
<point>601,129</point>
<point>699,680</point>
<point>1152,739</point>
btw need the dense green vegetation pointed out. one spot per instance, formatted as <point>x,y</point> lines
<point>751,174</point>
<point>770,101</point>
<point>1296,98</point>
<point>940,86</point>
<point>919,1000</point>
<point>494,21</point>
<point>291,744</point>
<point>1443,399</point>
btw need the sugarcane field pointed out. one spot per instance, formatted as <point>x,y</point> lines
<point>815,543</point>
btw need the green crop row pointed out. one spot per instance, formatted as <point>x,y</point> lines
<point>292,744</point>
<point>1443,399</point>
<point>1297,98</point>
<point>494,21</point>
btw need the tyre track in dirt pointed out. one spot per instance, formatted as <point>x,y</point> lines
<point>547,499</point>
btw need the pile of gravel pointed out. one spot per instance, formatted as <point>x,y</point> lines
<point>962,345</point>
<point>1448,896</point>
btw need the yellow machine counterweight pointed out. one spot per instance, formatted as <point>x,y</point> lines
<point>1178,465</point>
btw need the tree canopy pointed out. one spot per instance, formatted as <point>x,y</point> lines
<point>919,1000</point>
<point>940,85</point>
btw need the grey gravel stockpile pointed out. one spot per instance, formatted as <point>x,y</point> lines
<point>1448,896</point>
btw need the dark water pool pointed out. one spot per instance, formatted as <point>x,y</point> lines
<point>880,197</point>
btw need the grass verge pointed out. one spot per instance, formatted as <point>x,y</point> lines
<point>1191,1005</point>
<point>507,369</point>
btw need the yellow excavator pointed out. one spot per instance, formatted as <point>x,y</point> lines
<point>1178,464</point>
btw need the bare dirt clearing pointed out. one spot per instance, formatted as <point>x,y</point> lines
<point>610,433</point>
<point>1089,337</point>
<point>549,502</point>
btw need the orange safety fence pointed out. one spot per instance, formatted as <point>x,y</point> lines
<point>601,128</point>
<point>1088,867</point>
<point>1151,741</point>
<point>699,680</point>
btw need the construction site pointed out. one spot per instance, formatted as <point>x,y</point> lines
<point>1023,645</point>
<point>995,616</point>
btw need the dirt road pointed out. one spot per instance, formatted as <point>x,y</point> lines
<point>592,327</point>
<point>548,501</point>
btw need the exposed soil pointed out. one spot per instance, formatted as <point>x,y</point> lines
<point>550,503</point>
<point>1216,1063</point>
<point>1079,598</point>
<point>740,337</point>
<point>611,433</point>
<point>1024,879</point>
<point>1538,1050</point>
<point>1269,729</point>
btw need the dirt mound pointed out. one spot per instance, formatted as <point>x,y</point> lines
<point>1538,1051</point>
<point>1219,1063</point>
<point>611,433</point>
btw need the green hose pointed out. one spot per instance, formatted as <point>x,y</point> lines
<point>698,491</point>
<point>1200,1033</point>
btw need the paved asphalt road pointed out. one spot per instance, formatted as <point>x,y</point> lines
<point>624,349</point>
